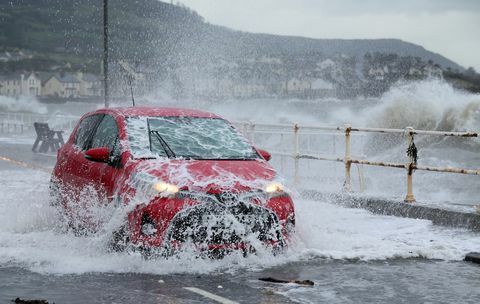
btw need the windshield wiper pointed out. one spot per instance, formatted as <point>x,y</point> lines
<point>164,144</point>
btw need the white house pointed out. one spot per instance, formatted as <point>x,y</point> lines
<point>415,72</point>
<point>377,73</point>
<point>432,71</point>
<point>90,84</point>
<point>20,84</point>
<point>295,85</point>
<point>248,89</point>
<point>322,88</point>
<point>66,85</point>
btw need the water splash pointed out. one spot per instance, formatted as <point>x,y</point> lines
<point>23,104</point>
<point>427,105</point>
<point>32,237</point>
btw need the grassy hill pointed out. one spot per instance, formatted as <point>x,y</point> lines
<point>154,30</point>
<point>178,48</point>
<point>138,28</point>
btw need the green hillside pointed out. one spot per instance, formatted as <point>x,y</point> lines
<point>151,29</point>
<point>173,43</point>
<point>138,28</point>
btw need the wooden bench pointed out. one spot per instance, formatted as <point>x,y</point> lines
<point>49,139</point>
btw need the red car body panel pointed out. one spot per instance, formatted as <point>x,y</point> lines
<point>75,173</point>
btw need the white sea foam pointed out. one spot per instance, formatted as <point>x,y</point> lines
<point>429,105</point>
<point>31,236</point>
<point>22,104</point>
<point>31,233</point>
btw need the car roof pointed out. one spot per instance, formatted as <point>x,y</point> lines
<point>156,111</point>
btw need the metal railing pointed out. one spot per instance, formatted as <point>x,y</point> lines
<point>18,123</point>
<point>12,127</point>
<point>250,129</point>
<point>24,121</point>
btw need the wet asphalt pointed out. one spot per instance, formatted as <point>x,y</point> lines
<point>336,281</point>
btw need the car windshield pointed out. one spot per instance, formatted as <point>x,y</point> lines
<point>187,137</point>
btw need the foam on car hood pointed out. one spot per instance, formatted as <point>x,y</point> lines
<point>210,175</point>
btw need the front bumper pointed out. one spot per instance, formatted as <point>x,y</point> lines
<point>207,222</point>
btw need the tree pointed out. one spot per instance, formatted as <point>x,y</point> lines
<point>470,72</point>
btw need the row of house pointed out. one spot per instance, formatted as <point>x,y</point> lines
<point>14,56</point>
<point>380,73</point>
<point>193,83</point>
<point>45,84</point>
<point>293,87</point>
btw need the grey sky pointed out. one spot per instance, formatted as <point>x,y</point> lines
<point>451,28</point>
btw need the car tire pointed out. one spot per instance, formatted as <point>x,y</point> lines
<point>55,198</point>
<point>119,240</point>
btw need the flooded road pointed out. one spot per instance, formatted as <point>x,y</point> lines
<point>351,255</point>
<point>336,281</point>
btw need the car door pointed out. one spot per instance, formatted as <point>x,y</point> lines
<point>81,170</point>
<point>73,170</point>
<point>105,174</point>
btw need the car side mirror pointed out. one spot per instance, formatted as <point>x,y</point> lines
<point>101,155</point>
<point>267,156</point>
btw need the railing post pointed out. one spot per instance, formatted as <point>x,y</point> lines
<point>245,129</point>
<point>282,158</point>
<point>296,152</point>
<point>409,166</point>
<point>348,164</point>
<point>252,133</point>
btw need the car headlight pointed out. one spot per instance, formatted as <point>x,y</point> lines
<point>165,189</point>
<point>274,189</point>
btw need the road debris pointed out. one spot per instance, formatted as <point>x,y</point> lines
<point>20,301</point>
<point>300,282</point>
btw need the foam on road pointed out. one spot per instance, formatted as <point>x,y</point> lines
<point>32,235</point>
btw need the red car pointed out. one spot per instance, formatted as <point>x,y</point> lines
<point>185,178</point>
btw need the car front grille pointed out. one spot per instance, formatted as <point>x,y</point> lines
<point>225,218</point>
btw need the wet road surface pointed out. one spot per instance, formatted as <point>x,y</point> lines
<point>393,280</point>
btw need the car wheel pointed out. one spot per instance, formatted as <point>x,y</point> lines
<point>55,198</point>
<point>78,228</point>
<point>119,240</point>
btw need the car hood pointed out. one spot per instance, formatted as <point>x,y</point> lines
<point>211,176</point>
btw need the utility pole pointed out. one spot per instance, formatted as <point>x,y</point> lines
<point>105,52</point>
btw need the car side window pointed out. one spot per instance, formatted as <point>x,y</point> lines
<point>106,134</point>
<point>85,130</point>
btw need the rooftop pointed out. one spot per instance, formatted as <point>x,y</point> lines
<point>157,111</point>
<point>90,77</point>
<point>67,78</point>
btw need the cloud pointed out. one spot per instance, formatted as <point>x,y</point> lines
<point>355,7</point>
<point>443,26</point>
